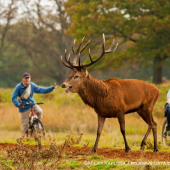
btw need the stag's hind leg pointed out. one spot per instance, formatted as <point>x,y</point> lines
<point>143,143</point>
<point>154,129</point>
<point>121,119</point>
<point>147,117</point>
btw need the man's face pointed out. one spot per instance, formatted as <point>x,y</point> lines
<point>26,80</point>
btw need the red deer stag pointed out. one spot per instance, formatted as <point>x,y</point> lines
<point>113,97</point>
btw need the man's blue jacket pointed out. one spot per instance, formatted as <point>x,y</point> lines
<point>19,90</point>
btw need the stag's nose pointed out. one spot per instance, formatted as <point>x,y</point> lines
<point>63,85</point>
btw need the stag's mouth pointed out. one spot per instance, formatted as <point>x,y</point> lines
<point>68,89</point>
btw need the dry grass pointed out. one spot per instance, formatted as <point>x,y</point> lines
<point>38,157</point>
<point>73,119</point>
<point>60,121</point>
<point>66,113</point>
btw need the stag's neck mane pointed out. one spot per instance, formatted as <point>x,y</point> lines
<point>93,90</point>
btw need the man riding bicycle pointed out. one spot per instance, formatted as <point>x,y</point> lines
<point>24,91</point>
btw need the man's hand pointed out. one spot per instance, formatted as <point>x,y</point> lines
<point>21,106</point>
<point>54,86</point>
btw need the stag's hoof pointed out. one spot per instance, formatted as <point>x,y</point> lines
<point>93,150</point>
<point>127,150</point>
<point>142,147</point>
<point>156,150</point>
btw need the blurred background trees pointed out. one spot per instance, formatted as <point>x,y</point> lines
<point>35,33</point>
<point>143,25</point>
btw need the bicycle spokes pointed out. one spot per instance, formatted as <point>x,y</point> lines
<point>36,126</point>
<point>165,135</point>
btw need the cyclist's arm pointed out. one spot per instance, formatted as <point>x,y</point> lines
<point>14,96</point>
<point>40,90</point>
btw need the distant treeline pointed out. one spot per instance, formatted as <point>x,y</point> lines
<point>34,35</point>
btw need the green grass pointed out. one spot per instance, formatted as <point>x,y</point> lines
<point>57,96</point>
<point>94,164</point>
<point>101,164</point>
<point>75,163</point>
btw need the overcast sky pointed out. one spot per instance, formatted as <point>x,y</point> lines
<point>48,4</point>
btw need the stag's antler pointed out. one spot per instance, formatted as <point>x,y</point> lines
<point>77,54</point>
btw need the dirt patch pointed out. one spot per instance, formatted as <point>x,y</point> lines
<point>108,153</point>
<point>132,155</point>
<point>5,146</point>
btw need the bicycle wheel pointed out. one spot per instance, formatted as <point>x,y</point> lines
<point>38,127</point>
<point>165,135</point>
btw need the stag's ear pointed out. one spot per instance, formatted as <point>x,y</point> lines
<point>84,71</point>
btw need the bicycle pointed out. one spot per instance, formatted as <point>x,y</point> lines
<point>35,124</point>
<point>165,135</point>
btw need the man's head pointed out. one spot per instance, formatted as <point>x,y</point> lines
<point>26,78</point>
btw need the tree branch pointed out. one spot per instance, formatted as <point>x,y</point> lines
<point>6,27</point>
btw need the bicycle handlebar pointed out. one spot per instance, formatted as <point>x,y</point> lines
<point>30,104</point>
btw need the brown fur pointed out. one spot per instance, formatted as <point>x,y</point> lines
<point>112,96</point>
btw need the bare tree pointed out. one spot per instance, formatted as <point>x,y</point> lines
<point>45,37</point>
<point>6,15</point>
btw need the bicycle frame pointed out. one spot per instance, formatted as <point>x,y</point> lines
<point>32,111</point>
<point>33,118</point>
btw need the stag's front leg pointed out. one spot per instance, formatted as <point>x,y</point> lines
<point>121,119</point>
<point>101,121</point>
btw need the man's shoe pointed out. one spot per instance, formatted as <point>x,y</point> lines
<point>168,128</point>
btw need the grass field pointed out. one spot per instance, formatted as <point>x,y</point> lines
<point>65,114</point>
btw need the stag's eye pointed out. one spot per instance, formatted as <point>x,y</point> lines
<point>76,77</point>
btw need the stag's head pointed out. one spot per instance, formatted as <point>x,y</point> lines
<point>79,74</point>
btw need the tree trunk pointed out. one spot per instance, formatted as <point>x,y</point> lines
<point>157,70</point>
